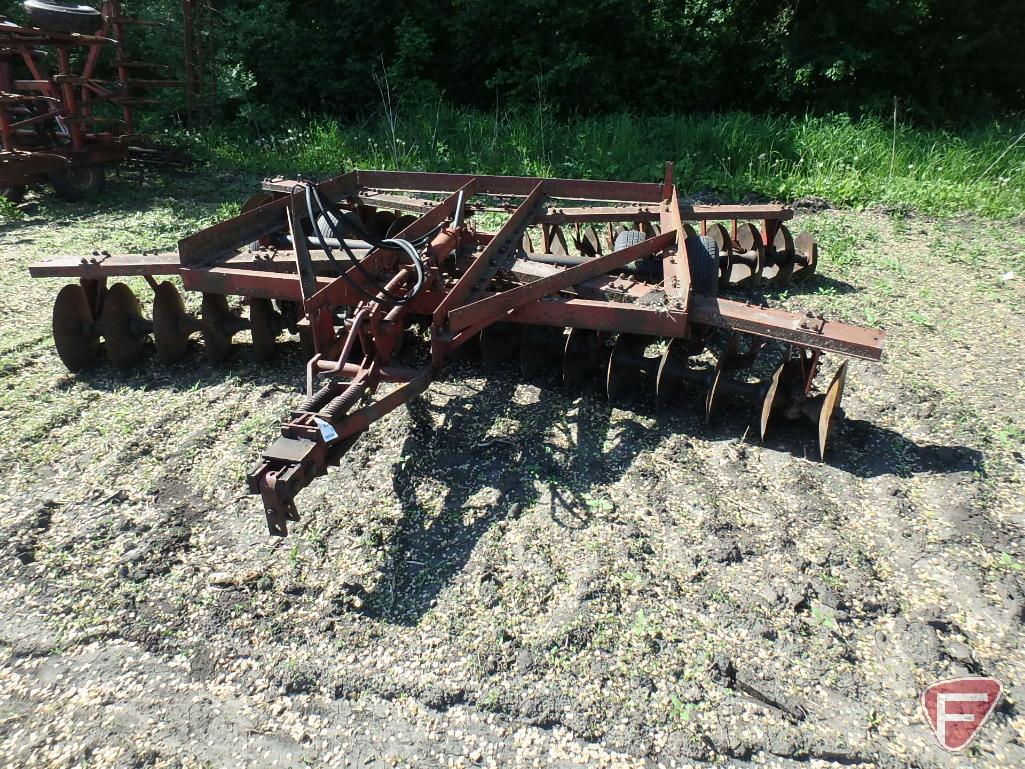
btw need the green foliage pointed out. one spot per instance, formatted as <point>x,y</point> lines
<point>940,59</point>
<point>9,212</point>
<point>735,155</point>
<point>946,61</point>
<point>680,710</point>
<point>748,97</point>
<point>1007,561</point>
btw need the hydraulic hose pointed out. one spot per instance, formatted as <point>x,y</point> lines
<point>320,210</point>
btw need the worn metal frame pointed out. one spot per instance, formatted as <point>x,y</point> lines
<point>353,339</point>
<point>66,96</point>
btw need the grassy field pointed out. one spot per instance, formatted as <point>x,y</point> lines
<point>736,155</point>
<point>509,574</point>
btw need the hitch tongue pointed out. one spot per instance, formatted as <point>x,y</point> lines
<point>278,508</point>
<point>287,465</point>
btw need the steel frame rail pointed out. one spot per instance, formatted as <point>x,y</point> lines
<point>354,339</point>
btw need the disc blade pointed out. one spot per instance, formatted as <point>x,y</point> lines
<point>264,326</point>
<point>365,213</point>
<point>169,323</point>
<point>498,343</point>
<point>120,322</point>
<point>718,232</point>
<point>783,266</point>
<point>714,391</point>
<point>783,241</point>
<point>667,383</point>
<point>540,348</point>
<point>380,221</point>
<point>829,405</point>
<point>255,201</point>
<point>749,237</point>
<point>772,394</point>
<point>623,373</point>
<point>580,355</point>
<point>747,265</point>
<point>400,223</point>
<point>216,317</point>
<point>74,331</point>
<point>808,251</point>
<point>558,240</point>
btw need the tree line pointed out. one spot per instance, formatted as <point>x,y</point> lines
<point>936,61</point>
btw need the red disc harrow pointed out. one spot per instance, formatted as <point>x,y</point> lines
<point>607,281</point>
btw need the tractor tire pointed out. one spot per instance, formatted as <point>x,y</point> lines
<point>703,258</point>
<point>13,194</point>
<point>61,16</point>
<point>78,183</point>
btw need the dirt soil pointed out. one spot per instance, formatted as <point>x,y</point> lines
<point>508,574</point>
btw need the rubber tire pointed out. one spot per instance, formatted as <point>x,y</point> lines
<point>253,202</point>
<point>628,238</point>
<point>13,194</point>
<point>325,220</point>
<point>703,258</point>
<point>78,183</point>
<point>60,16</point>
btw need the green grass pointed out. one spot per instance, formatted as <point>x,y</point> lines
<point>734,155</point>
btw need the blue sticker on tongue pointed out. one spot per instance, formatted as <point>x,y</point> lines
<point>327,432</point>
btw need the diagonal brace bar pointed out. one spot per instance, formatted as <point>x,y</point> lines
<point>222,239</point>
<point>494,307</point>
<point>477,276</point>
<point>676,269</point>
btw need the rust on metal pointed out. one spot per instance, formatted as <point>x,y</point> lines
<point>595,272</point>
<point>49,121</point>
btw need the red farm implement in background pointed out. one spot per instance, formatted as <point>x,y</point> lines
<point>607,281</point>
<point>68,89</point>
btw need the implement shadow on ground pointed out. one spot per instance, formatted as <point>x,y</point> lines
<point>490,457</point>
<point>820,284</point>
<point>868,450</point>
<point>859,447</point>
<point>284,371</point>
<point>489,447</point>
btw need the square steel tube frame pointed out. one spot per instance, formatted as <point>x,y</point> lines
<point>525,304</point>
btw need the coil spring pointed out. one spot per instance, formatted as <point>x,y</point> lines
<point>339,406</point>
<point>316,401</point>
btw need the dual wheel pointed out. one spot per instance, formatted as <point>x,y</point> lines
<point>63,16</point>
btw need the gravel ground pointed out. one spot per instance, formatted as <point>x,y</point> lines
<point>510,574</point>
